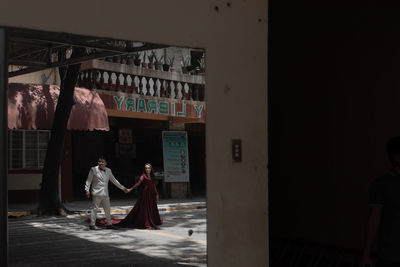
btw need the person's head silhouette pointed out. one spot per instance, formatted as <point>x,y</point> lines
<point>393,150</point>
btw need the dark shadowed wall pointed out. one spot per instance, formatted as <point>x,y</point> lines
<point>334,100</point>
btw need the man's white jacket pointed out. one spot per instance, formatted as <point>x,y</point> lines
<point>99,181</point>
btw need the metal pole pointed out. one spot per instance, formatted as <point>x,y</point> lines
<point>3,148</point>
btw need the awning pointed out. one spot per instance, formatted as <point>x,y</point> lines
<point>32,107</point>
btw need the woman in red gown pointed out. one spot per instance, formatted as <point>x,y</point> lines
<point>145,213</point>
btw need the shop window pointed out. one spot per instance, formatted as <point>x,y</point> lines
<point>27,149</point>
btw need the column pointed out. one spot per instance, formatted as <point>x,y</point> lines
<point>178,189</point>
<point>3,148</point>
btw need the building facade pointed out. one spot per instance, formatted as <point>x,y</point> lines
<point>120,112</point>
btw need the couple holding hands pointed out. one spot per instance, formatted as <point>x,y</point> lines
<point>143,215</point>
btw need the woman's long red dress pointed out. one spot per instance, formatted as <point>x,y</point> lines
<point>145,212</point>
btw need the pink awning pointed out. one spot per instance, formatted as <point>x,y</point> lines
<point>32,107</point>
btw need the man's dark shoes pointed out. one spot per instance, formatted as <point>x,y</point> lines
<point>111,226</point>
<point>94,227</point>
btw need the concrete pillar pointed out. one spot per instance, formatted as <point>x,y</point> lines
<point>235,41</point>
<point>3,149</point>
<point>178,189</point>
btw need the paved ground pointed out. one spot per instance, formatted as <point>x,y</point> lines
<point>66,241</point>
<point>118,206</point>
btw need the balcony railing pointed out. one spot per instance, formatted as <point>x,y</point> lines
<point>104,75</point>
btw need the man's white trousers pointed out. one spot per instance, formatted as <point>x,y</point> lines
<point>105,202</point>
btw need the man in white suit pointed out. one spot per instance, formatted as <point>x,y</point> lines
<point>98,179</point>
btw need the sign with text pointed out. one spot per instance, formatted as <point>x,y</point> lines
<point>125,136</point>
<point>176,156</point>
<point>153,105</point>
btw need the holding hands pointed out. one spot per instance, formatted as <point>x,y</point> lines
<point>128,190</point>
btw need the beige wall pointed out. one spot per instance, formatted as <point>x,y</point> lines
<point>235,38</point>
<point>49,76</point>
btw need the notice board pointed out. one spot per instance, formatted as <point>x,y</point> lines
<point>176,156</point>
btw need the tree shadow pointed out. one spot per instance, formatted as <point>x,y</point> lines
<point>65,241</point>
<point>185,219</point>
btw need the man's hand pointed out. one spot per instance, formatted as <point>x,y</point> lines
<point>126,190</point>
<point>87,194</point>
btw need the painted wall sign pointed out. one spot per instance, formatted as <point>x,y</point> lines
<point>153,105</point>
<point>176,157</point>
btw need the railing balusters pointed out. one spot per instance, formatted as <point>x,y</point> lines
<point>182,87</point>
<point>117,82</point>
<point>128,87</point>
<point>101,80</point>
<point>185,92</point>
<point>169,89</point>
<point>155,87</point>
<point>90,79</point>
<point>175,89</point>
<point>141,85</point>
<point>191,91</point>
<point>133,84</point>
<point>129,83</point>
<point>158,88</point>
<point>125,82</point>
<point>110,81</point>
<point>148,85</point>
<point>182,91</point>
<point>96,77</point>
<point>162,88</point>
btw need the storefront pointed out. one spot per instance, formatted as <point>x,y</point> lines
<point>30,117</point>
<point>135,138</point>
<point>125,128</point>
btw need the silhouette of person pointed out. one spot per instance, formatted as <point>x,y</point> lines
<point>383,225</point>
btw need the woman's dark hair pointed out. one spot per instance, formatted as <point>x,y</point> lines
<point>393,148</point>
<point>152,170</point>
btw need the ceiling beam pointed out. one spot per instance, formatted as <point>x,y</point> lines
<point>22,35</point>
<point>28,63</point>
<point>71,61</point>
<point>33,51</point>
<point>37,42</point>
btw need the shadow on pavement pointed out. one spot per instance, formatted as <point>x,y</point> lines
<point>65,241</point>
